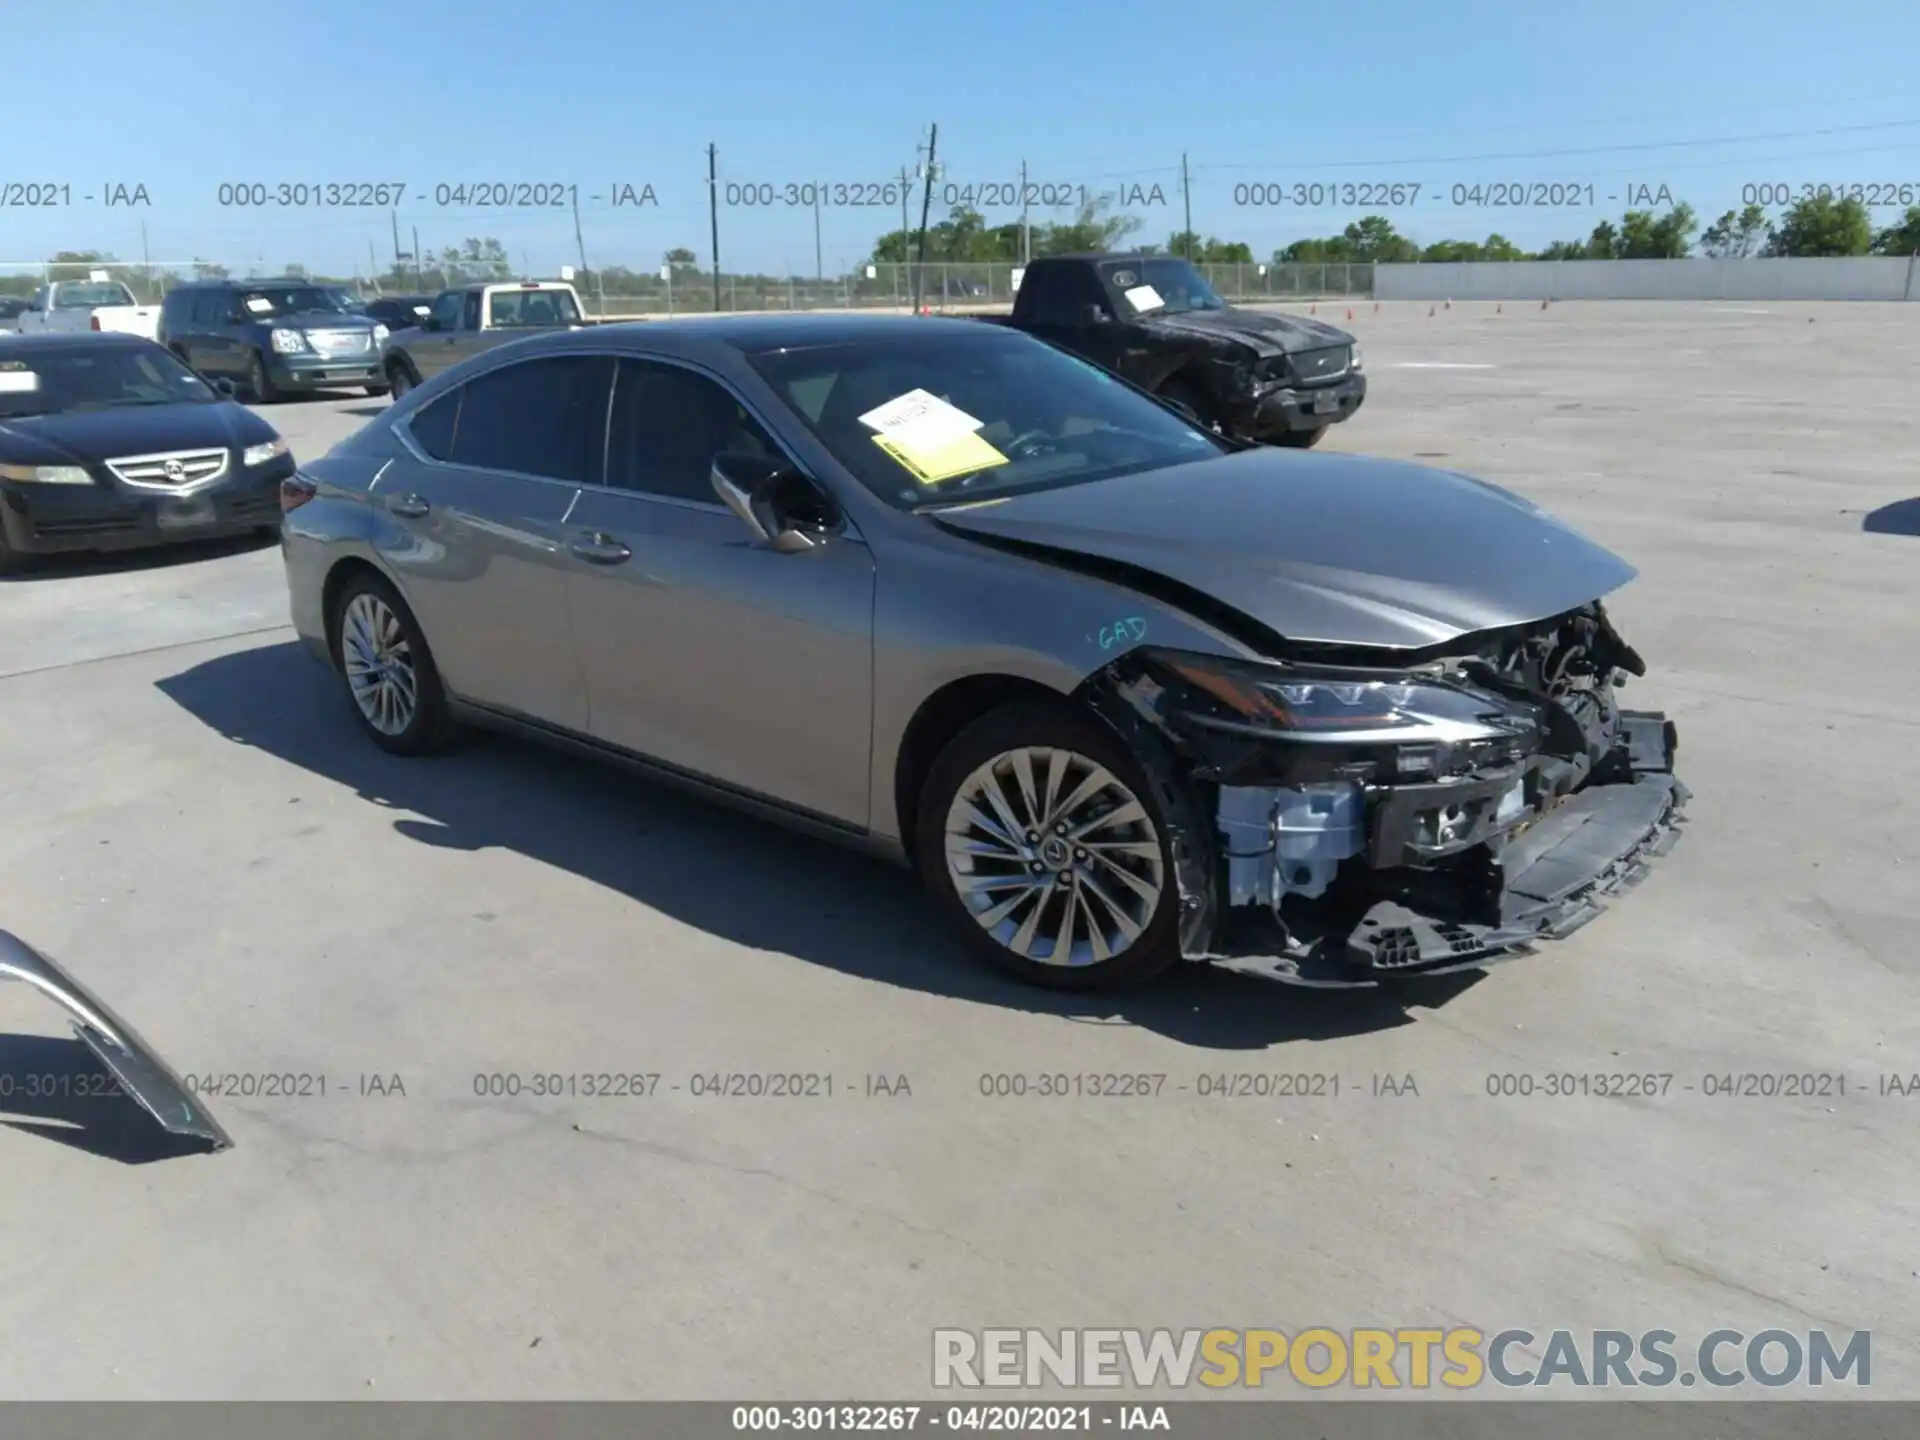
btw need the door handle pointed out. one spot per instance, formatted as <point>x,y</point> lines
<point>410,507</point>
<point>600,548</point>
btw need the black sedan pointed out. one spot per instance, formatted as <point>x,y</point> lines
<point>107,442</point>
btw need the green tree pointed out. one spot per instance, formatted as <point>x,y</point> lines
<point>680,257</point>
<point>1900,239</point>
<point>1332,250</point>
<point>1207,250</point>
<point>1645,236</point>
<point>1372,237</point>
<point>1822,225</point>
<point>74,264</point>
<point>1094,229</point>
<point>1565,250</point>
<point>1734,237</point>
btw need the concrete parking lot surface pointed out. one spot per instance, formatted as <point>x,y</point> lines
<point>194,826</point>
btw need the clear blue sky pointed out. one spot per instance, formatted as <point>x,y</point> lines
<point>181,97</point>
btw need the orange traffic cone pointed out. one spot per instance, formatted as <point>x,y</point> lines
<point>1449,302</point>
<point>1349,313</point>
<point>1543,304</point>
<point>1499,309</point>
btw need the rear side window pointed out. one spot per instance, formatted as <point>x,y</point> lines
<point>1062,295</point>
<point>540,417</point>
<point>433,426</point>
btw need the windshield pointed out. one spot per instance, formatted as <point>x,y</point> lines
<point>91,296</point>
<point>42,381</point>
<point>942,418</point>
<point>296,300</point>
<point>1160,286</point>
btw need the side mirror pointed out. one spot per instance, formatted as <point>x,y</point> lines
<point>224,387</point>
<point>780,505</point>
<point>1098,315</point>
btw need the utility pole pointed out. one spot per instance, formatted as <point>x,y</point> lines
<point>373,266</point>
<point>579,241</point>
<point>713,214</point>
<point>926,205</point>
<point>396,241</point>
<point>146,258</point>
<point>1026,229</point>
<point>418,279</point>
<point>819,267</point>
<point>1186,195</point>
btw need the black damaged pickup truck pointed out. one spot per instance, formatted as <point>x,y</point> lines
<point>1155,322</point>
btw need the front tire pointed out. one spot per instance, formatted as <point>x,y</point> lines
<point>259,381</point>
<point>1039,837</point>
<point>376,391</point>
<point>388,671</point>
<point>399,382</point>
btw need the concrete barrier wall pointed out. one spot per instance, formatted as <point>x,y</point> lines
<point>1863,277</point>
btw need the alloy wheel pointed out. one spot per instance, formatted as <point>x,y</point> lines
<point>1054,856</point>
<point>378,660</point>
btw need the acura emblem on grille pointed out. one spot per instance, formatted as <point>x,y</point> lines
<point>174,471</point>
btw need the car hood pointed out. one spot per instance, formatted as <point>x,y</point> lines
<point>1265,334</point>
<point>98,435</point>
<point>1320,549</point>
<point>321,320</point>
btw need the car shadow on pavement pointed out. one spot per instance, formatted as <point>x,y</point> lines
<point>56,1089</point>
<point>367,412</point>
<point>1902,517</point>
<point>734,877</point>
<point>126,562</point>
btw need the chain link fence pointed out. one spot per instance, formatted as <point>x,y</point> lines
<point>943,287</point>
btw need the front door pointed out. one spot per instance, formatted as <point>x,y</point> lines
<point>702,647</point>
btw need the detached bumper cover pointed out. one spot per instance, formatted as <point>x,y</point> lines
<point>1552,878</point>
<point>116,1044</point>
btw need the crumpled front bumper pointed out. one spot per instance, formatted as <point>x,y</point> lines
<point>1548,881</point>
<point>115,1044</point>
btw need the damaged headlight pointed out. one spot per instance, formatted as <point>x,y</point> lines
<point>1347,708</point>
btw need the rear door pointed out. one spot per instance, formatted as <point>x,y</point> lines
<point>701,646</point>
<point>485,563</point>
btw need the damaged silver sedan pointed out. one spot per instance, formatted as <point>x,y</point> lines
<point>1124,691</point>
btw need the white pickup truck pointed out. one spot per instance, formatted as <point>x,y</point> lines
<point>97,303</point>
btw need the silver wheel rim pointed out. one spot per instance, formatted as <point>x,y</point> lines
<point>379,664</point>
<point>1054,857</point>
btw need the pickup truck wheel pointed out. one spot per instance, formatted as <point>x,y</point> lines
<point>1181,393</point>
<point>376,391</point>
<point>1039,837</point>
<point>259,383</point>
<point>1302,439</point>
<point>399,382</point>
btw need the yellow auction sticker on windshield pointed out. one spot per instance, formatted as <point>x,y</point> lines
<point>943,459</point>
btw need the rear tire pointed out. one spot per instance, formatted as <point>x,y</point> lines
<point>1100,894</point>
<point>1302,439</point>
<point>387,670</point>
<point>259,381</point>
<point>399,382</point>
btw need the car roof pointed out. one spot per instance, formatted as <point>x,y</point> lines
<point>754,334</point>
<point>74,340</point>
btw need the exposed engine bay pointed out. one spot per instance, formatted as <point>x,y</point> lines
<point>1345,816</point>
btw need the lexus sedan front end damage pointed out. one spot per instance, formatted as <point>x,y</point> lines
<point>1352,821</point>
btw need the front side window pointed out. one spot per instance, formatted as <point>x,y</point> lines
<point>667,425</point>
<point>941,417</point>
<point>446,310</point>
<point>538,417</point>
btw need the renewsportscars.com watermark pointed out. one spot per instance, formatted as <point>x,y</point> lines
<point>1400,1358</point>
